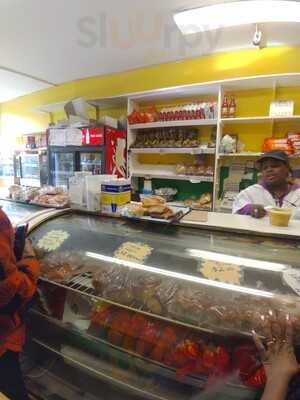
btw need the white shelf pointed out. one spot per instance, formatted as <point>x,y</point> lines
<point>258,120</point>
<point>174,124</point>
<point>173,150</point>
<point>245,154</point>
<point>191,178</point>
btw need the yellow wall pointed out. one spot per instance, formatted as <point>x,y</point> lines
<point>17,117</point>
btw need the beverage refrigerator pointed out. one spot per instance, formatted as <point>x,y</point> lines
<point>103,151</point>
<point>31,168</point>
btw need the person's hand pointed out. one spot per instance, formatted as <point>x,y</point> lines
<point>258,211</point>
<point>278,355</point>
<point>28,249</point>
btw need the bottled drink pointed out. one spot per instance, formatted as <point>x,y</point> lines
<point>232,107</point>
<point>225,108</point>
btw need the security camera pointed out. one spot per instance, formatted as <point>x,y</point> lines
<point>257,38</point>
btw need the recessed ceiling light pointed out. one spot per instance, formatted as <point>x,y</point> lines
<point>237,13</point>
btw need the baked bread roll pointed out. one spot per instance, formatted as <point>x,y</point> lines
<point>152,201</point>
<point>159,209</point>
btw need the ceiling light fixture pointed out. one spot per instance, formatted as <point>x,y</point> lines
<point>237,13</point>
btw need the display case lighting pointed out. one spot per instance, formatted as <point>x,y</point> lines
<point>180,276</point>
<point>240,261</point>
<point>237,13</point>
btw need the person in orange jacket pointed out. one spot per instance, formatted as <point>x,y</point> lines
<point>17,287</point>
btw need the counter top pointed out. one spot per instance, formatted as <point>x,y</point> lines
<point>240,223</point>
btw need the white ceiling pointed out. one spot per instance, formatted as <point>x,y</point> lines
<point>61,40</point>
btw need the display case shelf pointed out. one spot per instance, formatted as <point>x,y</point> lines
<point>83,286</point>
<point>143,363</point>
<point>150,365</point>
<point>175,124</point>
<point>173,150</point>
<point>81,360</point>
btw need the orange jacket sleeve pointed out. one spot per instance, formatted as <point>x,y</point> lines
<point>21,281</point>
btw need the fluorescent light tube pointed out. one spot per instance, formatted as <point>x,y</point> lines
<point>235,14</point>
<point>180,276</point>
<point>240,261</point>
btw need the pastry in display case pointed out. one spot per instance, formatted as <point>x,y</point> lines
<point>165,312</point>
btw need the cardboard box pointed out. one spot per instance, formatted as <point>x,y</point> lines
<point>109,121</point>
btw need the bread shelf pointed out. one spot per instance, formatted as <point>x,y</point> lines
<point>254,155</point>
<point>173,150</point>
<point>245,154</point>
<point>174,124</point>
<point>191,178</point>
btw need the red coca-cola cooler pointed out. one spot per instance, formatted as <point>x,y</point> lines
<point>115,152</point>
<point>115,148</point>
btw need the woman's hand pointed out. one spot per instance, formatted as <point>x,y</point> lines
<point>258,211</point>
<point>278,358</point>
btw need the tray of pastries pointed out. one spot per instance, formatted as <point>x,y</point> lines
<point>156,209</point>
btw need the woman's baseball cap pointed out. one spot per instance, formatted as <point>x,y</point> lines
<point>275,155</point>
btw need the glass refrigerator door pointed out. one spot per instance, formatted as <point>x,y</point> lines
<point>63,166</point>
<point>91,162</point>
<point>30,166</point>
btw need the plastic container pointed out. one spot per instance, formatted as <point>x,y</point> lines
<point>280,216</point>
<point>115,195</point>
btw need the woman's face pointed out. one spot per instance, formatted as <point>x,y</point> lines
<point>274,172</point>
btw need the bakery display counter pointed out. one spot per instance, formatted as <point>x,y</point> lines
<point>18,211</point>
<point>162,312</point>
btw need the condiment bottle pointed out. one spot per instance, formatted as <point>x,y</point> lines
<point>225,107</point>
<point>232,107</point>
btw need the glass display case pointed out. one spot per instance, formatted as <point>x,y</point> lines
<point>160,312</point>
<point>18,211</point>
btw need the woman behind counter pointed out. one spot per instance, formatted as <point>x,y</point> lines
<point>273,190</point>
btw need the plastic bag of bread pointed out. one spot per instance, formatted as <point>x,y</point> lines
<point>101,320</point>
<point>62,266</point>
<point>112,284</point>
<point>209,171</point>
<point>134,210</point>
<point>205,198</point>
<point>137,324</point>
<point>190,304</point>
<point>145,286</point>
<point>181,169</point>
<point>200,170</point>
<point>165,294</point>
<point>148,338</point>
<point>120,326</point>
<point>192,170</point>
